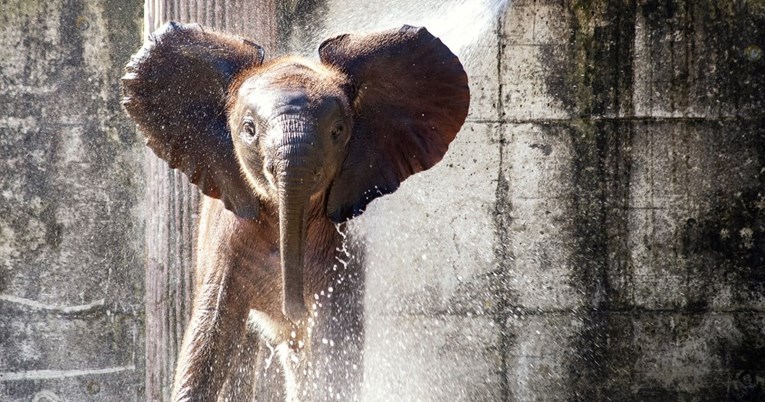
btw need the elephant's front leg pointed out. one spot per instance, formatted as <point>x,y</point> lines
<point>217,324</point>
<point>241,382</point>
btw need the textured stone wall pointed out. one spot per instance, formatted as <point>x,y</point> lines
<point>596,231</point>
<point>71,191</point>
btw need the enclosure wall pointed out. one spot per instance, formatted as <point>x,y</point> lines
<point>71,197</point>
<point>596,230</point>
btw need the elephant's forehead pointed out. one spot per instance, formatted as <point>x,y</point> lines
<point>273,94</point>
<point>296,74</point>
<point>270,103</point>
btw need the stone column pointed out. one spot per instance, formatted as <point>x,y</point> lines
<point>71,205</point>
<point>172,201</point>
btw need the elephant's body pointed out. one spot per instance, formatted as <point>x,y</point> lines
<point>238,278</point>
<point>286,151</point>
<point>252,245</point>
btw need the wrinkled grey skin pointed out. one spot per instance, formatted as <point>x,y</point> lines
<point>294,122</point>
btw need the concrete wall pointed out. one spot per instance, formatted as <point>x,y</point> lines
<point>596,231</point>
<point>71,187</point>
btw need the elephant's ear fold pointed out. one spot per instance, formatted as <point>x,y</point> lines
<point>176,89</point>
<point>411,99</point>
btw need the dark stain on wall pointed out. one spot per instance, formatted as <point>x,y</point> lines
<point>704,71</point>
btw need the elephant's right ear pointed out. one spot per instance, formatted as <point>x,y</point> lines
<point>176,89</point>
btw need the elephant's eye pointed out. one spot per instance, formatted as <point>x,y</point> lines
<point>338,131</point>
<point>249,133</point>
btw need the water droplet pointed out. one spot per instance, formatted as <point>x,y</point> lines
<point>753,53</point>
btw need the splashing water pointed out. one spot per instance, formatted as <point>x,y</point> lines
<point>470,29</point>
<point>463,25</point>
<point>460,24</point>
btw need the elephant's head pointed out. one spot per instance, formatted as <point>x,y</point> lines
<point>342,130</point>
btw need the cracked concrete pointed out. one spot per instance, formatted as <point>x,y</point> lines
<point>71,268</point>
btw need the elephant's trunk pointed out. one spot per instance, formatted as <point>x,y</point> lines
<point>295,182</point>
<point>292,224</point>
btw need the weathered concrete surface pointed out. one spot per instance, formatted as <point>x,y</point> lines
<point>596,230</point>
<point>653,118</point>
<point>71,234</point>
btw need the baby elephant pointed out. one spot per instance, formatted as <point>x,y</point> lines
<point>284,151</point>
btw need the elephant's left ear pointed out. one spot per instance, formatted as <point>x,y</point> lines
<point>411,99</point>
